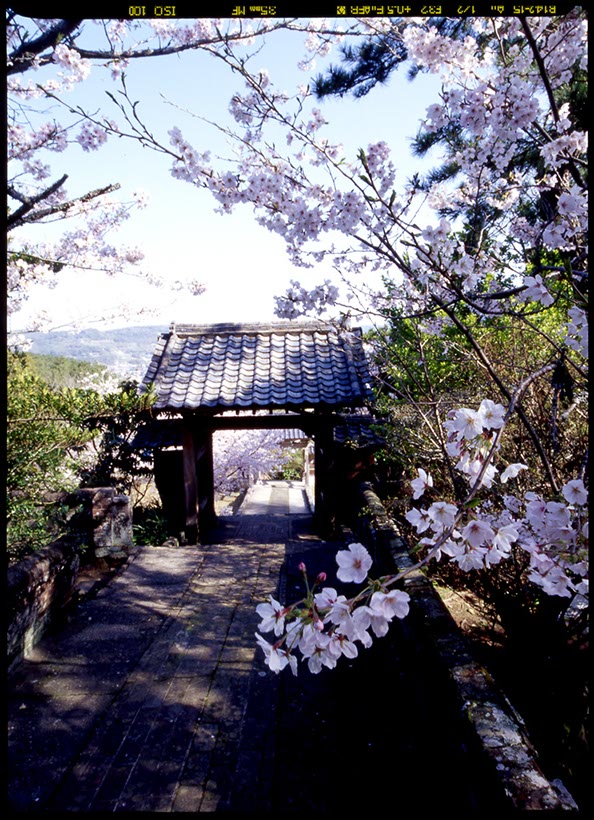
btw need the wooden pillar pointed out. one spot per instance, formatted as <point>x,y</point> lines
<point>205,479</point>
<point>169,480</point>
<point>324,468</point>
<point>190,482</point>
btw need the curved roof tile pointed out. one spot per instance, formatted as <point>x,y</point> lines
<point>302,364</point>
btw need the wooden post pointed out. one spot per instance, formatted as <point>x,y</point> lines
<point>204,472</point>
<point>324,463</point>
<point>169,479</point>
<point>190,482</point>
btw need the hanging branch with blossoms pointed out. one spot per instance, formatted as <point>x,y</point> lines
<point>46,60</point>
<point>324,626</point>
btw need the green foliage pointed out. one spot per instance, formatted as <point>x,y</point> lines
<point>421,376</point>
<point>370,63</point>
<point>45,429</point>
<point>292,468</point>
<point>49,433</point>
<point>150,525</point>
<point>118,463</point>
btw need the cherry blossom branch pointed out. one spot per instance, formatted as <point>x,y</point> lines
<point>61,208</point>
<point>547,84</point>
<point>22,58</point>
<point>18,217</point>
<point>505,392</point>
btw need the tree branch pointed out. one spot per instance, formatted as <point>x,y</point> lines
<point>547,84</point>
<point>505,392</point>
<point>61,207</point>
<point>22,58</point>
<point>18,217</point>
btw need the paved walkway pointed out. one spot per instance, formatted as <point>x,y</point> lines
<point>275,498</point>
<point>154,696</point>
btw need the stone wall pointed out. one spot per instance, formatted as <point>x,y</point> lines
<point>39,589</point>
<point>492,720</point>
<point>105,521</point>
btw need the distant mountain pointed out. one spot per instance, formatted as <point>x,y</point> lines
<point>126,351</point>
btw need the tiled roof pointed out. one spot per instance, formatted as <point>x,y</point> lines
<point>359,431</point>
<point>243,367</point>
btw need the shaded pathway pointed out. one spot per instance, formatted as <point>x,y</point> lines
<point>154,697</point>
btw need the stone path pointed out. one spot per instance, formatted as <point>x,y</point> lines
<point>275,498</point>
<point>154,696</point>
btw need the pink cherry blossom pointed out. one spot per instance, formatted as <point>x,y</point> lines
<point>419,519</point>
<point>492,415</point>
<point>511,471</point>
<point>472,558</point>
<point>536,290</point>
<point>394,603</point>
<point>344,646</point>
<point>328,597</point>
<point>276,657</point>
<point>468,423</point>
<point>442,514</point>
<point>505,537</point>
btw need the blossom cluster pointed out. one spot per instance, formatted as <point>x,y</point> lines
<point>78,69</point>
<point>91,136</point>
<point>325,625</point>
<point>554,533</point>
<point>577,331</point>
<point>297,300</point>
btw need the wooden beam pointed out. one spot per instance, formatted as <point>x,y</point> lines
<point>268,422</point>
<point>308,422</point>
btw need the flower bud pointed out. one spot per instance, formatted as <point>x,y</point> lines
<point>302,568</point>
<point>321,578</point>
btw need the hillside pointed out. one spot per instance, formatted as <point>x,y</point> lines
<point>126,351</point>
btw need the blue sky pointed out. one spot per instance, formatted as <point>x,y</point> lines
<point>242,264</point>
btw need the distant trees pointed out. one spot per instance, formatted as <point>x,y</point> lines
<point>243,456</point>
<point>62,371</point>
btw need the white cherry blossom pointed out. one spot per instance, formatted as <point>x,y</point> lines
<point>574,492</point>
<point>421,483</point>
<point>273,616</point>
<point>353,563</point>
